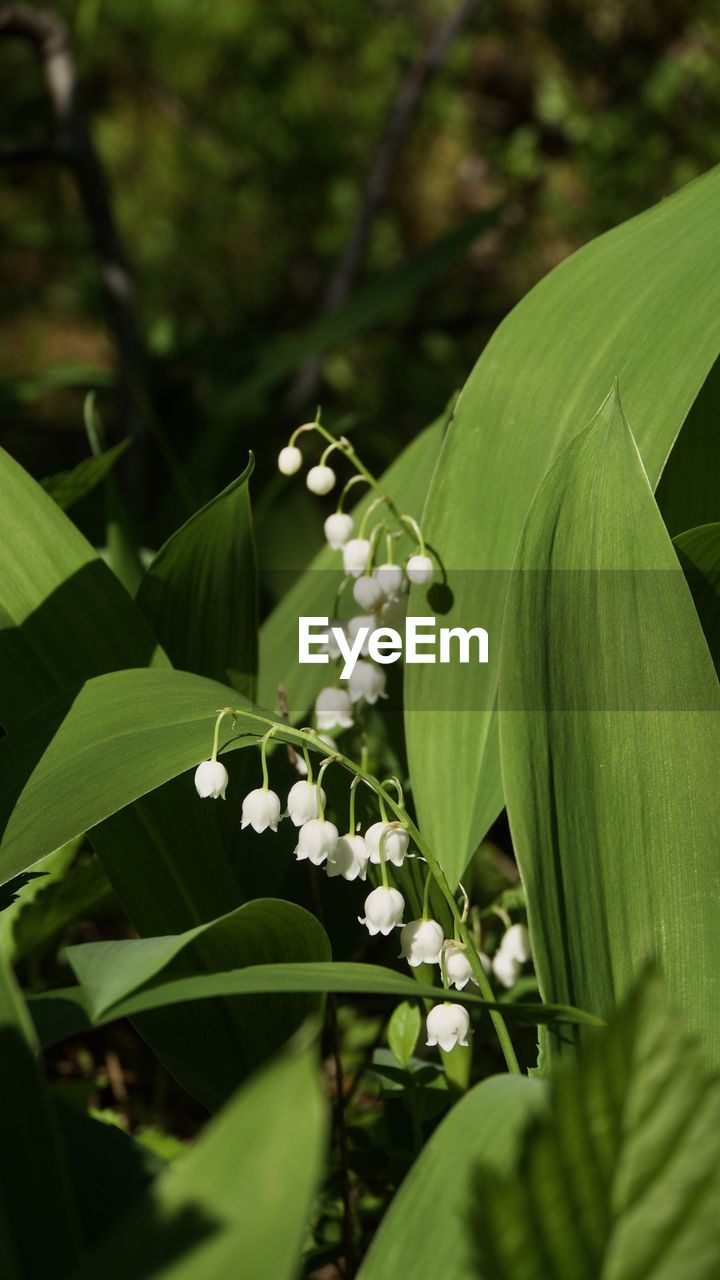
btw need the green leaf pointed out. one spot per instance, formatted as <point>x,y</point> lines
<point>699,554</point>
<point>403,1031</point>
<point>620,1177</point>
<point>238,1202</point>
<point>63,615</point>
<point>33,1172</point>
<point>313,593</point>
<point>68,487</point>
<point>200,592</point>
<point>61,1014</point>
<point>610,732</point>
<point>623,306</point>
<point>427,1231</point>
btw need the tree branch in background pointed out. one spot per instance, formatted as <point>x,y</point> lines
<point>73,145</point>
<point>402,114</point>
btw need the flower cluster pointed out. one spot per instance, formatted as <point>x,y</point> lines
<point>379,585</point>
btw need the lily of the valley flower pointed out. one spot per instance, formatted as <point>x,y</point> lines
<point>516,942</point>
<point>289,460</point>
<point>349,859</point>
<point>260,810</point>
<point>333,709</point>
<point>362,621</point>
<point>421,942</point>
<point>355,556</point>
<point>302,802</point>
<point>211,779</point>
<point>317,840</point>
<point>457,966</point>
<point>392,580</point>
<point>419,570</point>
<point>367,681</point>
<point>383,910</point>
<point>395,846</point>
<point>506,968</point>
<point>338,528</point>
<point>368,592</point>
<point>320,479</point>
<point>447,1025</point>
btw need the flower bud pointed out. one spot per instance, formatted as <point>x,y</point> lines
<point>260,810</point>
<point>383,910</point>
<point>350,858</point>
<point>367,592</point>
<point>507,968</point>
<point>457,967</point>
<point>317,840</point>
<point>419,570</point>
<point>356,624</point>
<point>211,779</point>
<point>355,556</point>
<point>392,580</point>
<point>448,1025</point>
<point>367,681</point>
<point>320,479</point>
<point>333,709</point>
<point>289,460</point>
<point>421,942</point>
<point>395,846</point>
<point>338,528</point>
<point>516,943</point>
<point>302,802</point>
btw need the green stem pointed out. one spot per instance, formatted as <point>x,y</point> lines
<point>383,864</point>
<point>308,764</point>
<point>321,775</point>
<point>263,757</point>
<point>426,896</point>
<point>216,736</point>
<point>351,816</point>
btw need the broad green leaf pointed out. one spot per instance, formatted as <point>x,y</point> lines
<point>313,593</point>
<point>620,1177</point>
<point>610,729</point>
<point>60,1014</point>
<point>63,615</point>
<point>89,753</point>
<point>237,1204</point>
<point>200,593</point>
<point>427,1229</point>
<point>642,304</point>
<point>68,487</point>
<point>403,1031</point>
<point>699,554</point>
<point>34,1178</point>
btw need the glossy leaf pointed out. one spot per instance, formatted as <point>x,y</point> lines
<point>200,592</point>
<point>699,554</point>
<point>641,303</point>
<point>427,1229</point>
<point>403,1031</point>
<point>610,728</point>
<point>620,1177</point>
<point>237,1203</point>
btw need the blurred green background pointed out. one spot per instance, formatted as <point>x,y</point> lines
<point>237,140</point>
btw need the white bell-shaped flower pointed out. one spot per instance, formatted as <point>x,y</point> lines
<point>361,621</point>
<point>395,846</point>
<point>260,810</point>
<point>457,967</point>
<point>367,592</point>
<point>419,570</point>
<point>421,942</point>
<point>447,1025</point>
<point>507,968</point>
<point>338,528</point>
<point>515,942</point>
<point>392,580</point>
<point>317,840</point>
<point>367,681</point>
<point>211,779</point>
<point>320,479</point>
<point>289,460</point>
<point>302,802</point>
<point>355,556</point>
<point>333,709</point>
<point>350,858</point>
<point>383,910</point>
